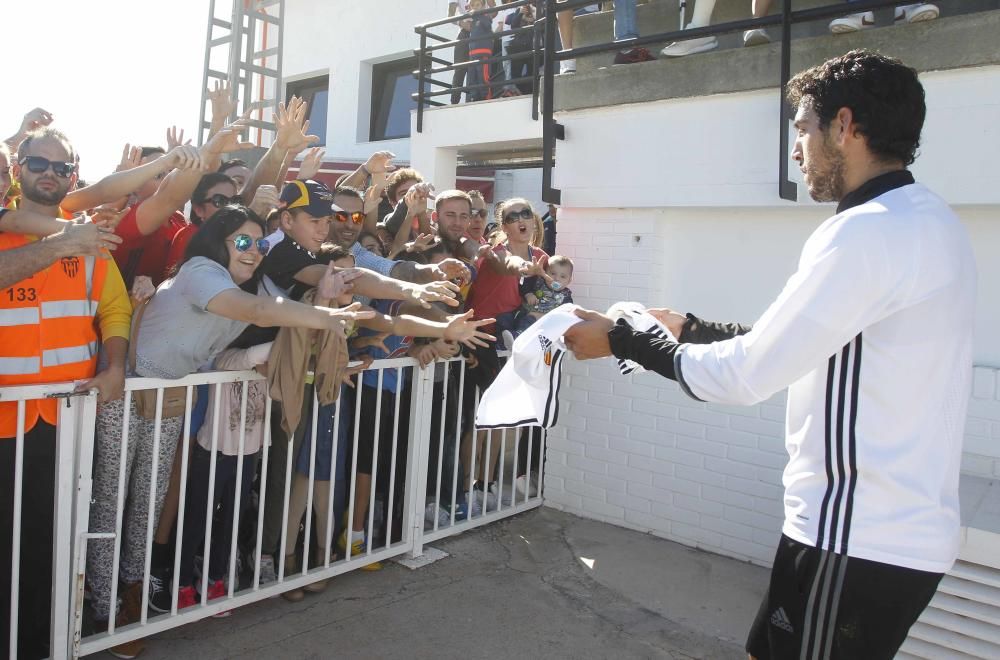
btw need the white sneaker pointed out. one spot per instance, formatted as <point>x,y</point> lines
<point>523,484</point>
<point>757,37</point>
<point>917,13</point>
<point>690,47</point>
<point>567,66</point>
<point>852,23</point>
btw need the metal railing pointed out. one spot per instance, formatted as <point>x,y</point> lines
<point>552,130</point>
<point>430,55</point>
<point>421,489</point>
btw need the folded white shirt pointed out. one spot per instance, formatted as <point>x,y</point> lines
<point>635,315</point>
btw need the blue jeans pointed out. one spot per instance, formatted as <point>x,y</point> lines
<point>625,20</point>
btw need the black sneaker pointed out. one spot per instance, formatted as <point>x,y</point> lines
<point>159,589</point>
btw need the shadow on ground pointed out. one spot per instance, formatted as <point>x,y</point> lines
<point>545,584</point>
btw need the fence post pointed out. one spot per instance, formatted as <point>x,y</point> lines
<point>73,431</point>
<point>418,454</point>
<point>420,80</point>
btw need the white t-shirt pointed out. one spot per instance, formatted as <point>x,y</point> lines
<point>874,333</point>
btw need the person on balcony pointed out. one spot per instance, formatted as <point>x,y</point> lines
<point>462,47</point>
<point>625,28</point>
<point>876,398</point>
<point>916,13</point>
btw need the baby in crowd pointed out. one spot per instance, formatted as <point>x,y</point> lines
<point>541,295</point>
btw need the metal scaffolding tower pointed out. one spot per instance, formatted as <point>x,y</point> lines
<point>243,47</point>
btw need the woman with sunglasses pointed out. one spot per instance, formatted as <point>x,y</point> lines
<point>216,293</point>
<point>214,191</point>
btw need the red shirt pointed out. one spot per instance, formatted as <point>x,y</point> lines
<point>179,244</point>
<point>140,254</point>
<point>493,294</point>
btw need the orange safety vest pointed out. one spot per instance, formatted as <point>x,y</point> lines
<point>48,332</point>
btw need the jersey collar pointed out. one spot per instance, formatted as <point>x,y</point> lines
<point>872,188</point>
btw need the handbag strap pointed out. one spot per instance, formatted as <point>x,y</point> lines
<point>133,341</point>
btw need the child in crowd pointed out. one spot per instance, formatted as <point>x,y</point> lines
<point>549,293</point>
<point>480,49</point>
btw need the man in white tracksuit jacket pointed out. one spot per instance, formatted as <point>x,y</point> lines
<point>872,336</point>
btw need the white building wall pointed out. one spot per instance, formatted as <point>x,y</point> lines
<point>634,450</point>
<point>344,39</point>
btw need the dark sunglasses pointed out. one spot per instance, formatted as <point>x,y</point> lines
<point>343,216</point>
<point>478,212</point>
<point>244,242</point>
<point>514,216</point>
<point>37,165</point>
<point>219,200</point>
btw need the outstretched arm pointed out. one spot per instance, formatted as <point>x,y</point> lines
<point>73,241</point>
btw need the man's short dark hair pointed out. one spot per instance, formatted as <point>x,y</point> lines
<point>47,132</point>
<point>233,162</point>
<point>149,151</point>
<point>883,94</point>
<point>332,252</point>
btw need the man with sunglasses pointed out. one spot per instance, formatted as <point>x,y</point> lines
<point>56,304</point>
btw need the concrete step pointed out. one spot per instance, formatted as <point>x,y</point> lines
<point>976,573</point>
<point>957,642</point>
<point>972,609</point>
<point>914,649</point>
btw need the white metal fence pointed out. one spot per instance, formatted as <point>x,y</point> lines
<point>431,475</point>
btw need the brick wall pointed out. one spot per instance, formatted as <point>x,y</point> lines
<point>635,451</point>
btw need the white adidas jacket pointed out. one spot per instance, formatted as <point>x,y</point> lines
<point>874,333</point>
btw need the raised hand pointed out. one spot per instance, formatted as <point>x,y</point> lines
<point>35,119</point>
<point>131,158</point>
<point>425,294</point>
<point>416,198</point>
<point>380,162</point>
<point>175,140</point>
<point>311,163</point>
<point>264,200</point>
<point>463,329</point>
<point>373,195</point>
<point>221,98</point>
<point>534,268</point>
<point>227,140</point>
<point>184,157</point>
<point>290,125</point>
<point>421,243</point>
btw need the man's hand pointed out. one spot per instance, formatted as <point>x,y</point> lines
<point>530,299</point>
<point>350,372</point>
<point>174,139</point>
<point>223,103</point>
<point>142,290</point>
<point>110,384</point>
<point>353,312</point>
<point>380,162</point>
<point>371,341</point>
<point>35,119</point>
<point>420,243</point>
<point>589,340</point>
<point>451,269</point>
<point>290,125</point>
<point>227,140</point>
<point>131,158</point>
<point>674,321</point>
<point>463,329</point>
<point>416,198</point>
<point>86,240</point>
<point>336,283</point>
<point>423,353</point>
<point>108,215</point>
<point>445,349</point>
<point>265,199</point>
<point>184,157</point>
<point>425,294</point>
<point>373,195</point>
<point>311,163</point>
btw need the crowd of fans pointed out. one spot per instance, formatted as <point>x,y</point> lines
<point>481,38</point>
<point>305,284</point>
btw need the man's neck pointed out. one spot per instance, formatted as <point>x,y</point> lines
<point>28,205</point>
<point>862,176</point>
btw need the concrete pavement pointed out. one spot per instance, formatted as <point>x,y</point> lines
<point>545,584</point>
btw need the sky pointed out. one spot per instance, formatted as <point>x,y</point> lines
<point>110,72</point>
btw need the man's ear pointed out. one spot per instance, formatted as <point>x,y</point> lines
<point>844,125</point>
